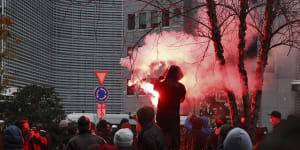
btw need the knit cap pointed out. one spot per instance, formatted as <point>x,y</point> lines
<point>123,138</point>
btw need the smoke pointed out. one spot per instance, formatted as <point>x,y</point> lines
<point>195,55</point>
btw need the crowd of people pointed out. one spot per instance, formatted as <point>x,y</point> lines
<point>148,135</point>
<point>156,131</point>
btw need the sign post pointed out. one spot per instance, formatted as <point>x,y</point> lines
<point>101,110</point>
<point>101,94</point>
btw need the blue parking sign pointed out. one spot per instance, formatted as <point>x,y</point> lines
<point>101,94</point>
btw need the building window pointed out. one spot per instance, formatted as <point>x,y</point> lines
<point>154,19</point>
<point>129,50</point>
<point>131,21</point>
<point>130,89</point>
<point>165,18</point>
<point>177,12</point>
<point>142,20</point>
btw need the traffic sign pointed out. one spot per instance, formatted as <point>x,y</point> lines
<point>101,94</point>
<point>101,75</point>
<point>101,110</point>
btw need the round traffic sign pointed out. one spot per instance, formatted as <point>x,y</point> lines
<point>101,94</point>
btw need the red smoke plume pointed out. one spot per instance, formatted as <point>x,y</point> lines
<point>195,56</point>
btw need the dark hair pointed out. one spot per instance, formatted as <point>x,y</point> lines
<point>174,73</point>
<point>124,120</point>
<point>21,121</point>
<point>84,124</point>
<point>145,115</point>
<point>102,125</point>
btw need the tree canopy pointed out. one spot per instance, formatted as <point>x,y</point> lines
<point>38,104</point>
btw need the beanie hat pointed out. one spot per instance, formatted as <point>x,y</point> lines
<point>123,138</point>
<point>237,139</point>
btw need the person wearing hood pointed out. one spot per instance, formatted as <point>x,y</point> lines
<point>12,138</point>
<point>224,130</point>
<point>205,129</point>
<point>237,139</point>
<point>171,95</point>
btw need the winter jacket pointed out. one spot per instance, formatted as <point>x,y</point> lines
<point>237,139</point>
<point>187,123</point>
<point>151,138</point>
<point>83,141</point>
<point>12,138</point>
<point>205,128</point>
<point>196,140</point>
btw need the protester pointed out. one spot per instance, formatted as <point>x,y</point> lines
<point>212,142</point>
<point>205,128</point>
<point>93,126</point>
<point>84,139</point>
<point>171,94</point>
<point>102,131</point>
<point>285,137</point>
<point>151,136</point>
<point>123,139</point>
<point>275,118</point>
<point>224,130</point>
<point>32,138</point>
<point>188,126</point>
<point>188,121</point>
<point>196,138</point>
<point>12,138</point>
<point>237,139</point>
<point>124,120</point>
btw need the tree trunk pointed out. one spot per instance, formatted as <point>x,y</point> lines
<point>234,112</point>
<point>219,50</point>
<point>241,65</point>
<point>270,15</point>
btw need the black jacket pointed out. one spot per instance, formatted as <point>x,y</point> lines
<point>197,139</point>
<point>151,138</point>
<point>83,141</point>
<point>12,138</point>
<point>171,94</point>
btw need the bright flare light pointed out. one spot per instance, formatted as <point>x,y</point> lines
<point>149,88</point>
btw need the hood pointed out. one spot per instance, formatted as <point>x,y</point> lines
<point>237,139</point>
<point>12,137</point>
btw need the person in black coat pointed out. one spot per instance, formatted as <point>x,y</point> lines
<point>171,94</point>
<point>151,136</point>
<point>197,138</point>
<point>12,138</point>
<point>85,139</point>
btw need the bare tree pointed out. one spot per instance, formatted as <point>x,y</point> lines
<point>276,23</point>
